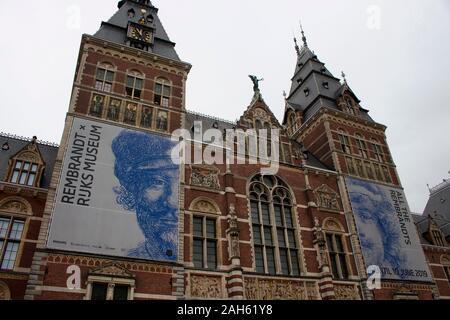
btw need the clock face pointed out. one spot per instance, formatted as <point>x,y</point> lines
<point>140,34</point>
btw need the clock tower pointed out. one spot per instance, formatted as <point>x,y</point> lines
<point>129,78</point>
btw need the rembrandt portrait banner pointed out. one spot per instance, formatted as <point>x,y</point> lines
<point>386,229</point>
<point>118,194</point>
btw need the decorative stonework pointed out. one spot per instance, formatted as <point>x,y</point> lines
<point>233,233</point>
<point>92,262</point>
<point>270,289</point>
<point>15,205</point>
<point>205,176</point>
<point>206,287</point>
<point>327,198</point>
<point>29,156</point>
<point>260,114</point>
<point>346,292</point>
<point>112,269</point>
<point>5,294</point>
<point>445,260</point>
<point>332,225</point>
<point>320,243</point>
<point>204,205</point>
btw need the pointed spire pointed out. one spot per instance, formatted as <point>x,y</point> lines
<point>297,48</point>
<point>305,43</point>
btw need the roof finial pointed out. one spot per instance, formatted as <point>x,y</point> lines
<point>297,48</point>
<point>305,43</point>
<point>344,76</point>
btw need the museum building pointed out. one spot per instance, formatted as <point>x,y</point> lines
<point>109,216</point>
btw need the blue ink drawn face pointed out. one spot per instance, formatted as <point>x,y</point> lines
<point>149,186</point>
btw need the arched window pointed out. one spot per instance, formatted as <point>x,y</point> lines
<point>104,77</point>
<point>337,249</point>
<point>274,227</point>
<point>134,85</point>
<point>205,234</point>
<point>162,92</point>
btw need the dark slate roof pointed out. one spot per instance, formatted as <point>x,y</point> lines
<point>311,73</point>
<point>311,159</point>
<point>439,201</point>
<point>423,224</point>
<point>436,210</point>
<point>48,151</point>
<point>115,30</point>
<point>207,122</point>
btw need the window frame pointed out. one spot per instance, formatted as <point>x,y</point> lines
<point>135,76</point>
<point>7,239</point>
<point>205,240</point>
<point>110,282</point>
<point>164,99</point>
<point>107,68</point>
<point>26,173</point>
<point>267,226</point>
<point>335,255</point>
<point>362,146</point>
<point>344,141</point>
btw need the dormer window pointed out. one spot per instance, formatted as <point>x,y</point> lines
<point>300,65</point>
<point>326,85</point>
<point>299,80</point>
<point>307,92</point>
<point>27,166</point>
<point>24,173</point>
<point>323,70</point>
<point>437,237</point>
<point>150,19</point>
<point>215,125</point>
<point>131,14</point>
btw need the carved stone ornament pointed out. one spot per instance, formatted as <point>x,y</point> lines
<point>332,225</point>
<point>112,269</point>
<point>346,292</point>
<point>320,242</point>
<point>206,287</point>
<point>233,233</point>
<point>267,289</point>
<point>15,206</point>
<point>207,177</point>
<point>327,198</point>
<point>204,206</point>
<point>261,114</point>
<point>5,294</point>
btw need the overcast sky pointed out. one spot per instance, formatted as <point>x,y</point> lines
<point>395,54</point>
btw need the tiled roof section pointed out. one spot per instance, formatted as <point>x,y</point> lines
<point>314,87</point>
<point>48,151</point>
<point>439,203</point>
<point>423,224</point>
<point>208,122</point>
<point>115,30</point>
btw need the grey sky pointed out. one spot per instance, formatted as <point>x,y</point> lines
<point>401,71</point>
